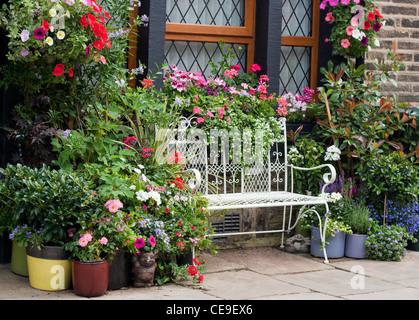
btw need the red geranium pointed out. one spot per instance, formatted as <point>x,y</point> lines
<point>98,44</point>
<point>192,270</point>
<point>58,70</point>
<point>45,25</point>
<point>179,183</point>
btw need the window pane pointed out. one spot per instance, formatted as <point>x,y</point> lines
<point>212,12</point>
<point>297,18</point>
<point>195,56</point>
<point>294,73</point>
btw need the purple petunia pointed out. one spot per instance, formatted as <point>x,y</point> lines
<point>364,41</point>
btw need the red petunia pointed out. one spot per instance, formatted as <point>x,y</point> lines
<point>367,25</point>
<point>98,44</point>
<point>58,70</point>
<point>371,16</point>
<point>45,25</point>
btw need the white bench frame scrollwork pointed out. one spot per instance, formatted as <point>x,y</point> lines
<point>239,186</point>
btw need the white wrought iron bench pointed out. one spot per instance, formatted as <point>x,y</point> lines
<point>229,185</point>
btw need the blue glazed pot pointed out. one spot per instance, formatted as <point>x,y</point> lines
<point>355,246</point>
<point>335,247</point>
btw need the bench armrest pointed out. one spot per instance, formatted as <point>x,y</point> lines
<point>328,178</point>
<point>194,178</point>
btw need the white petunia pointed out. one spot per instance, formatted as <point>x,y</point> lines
<point>60,35</point>
<point>49,41</point>
<point>52,12</point>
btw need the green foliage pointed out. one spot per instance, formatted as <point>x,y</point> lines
<point>360,121</point>
<point>43,198</point>
<point>307,153</point>
<point>391,175</point>
<point>358,216</point>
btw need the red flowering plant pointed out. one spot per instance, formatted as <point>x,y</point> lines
<point>54,39</point>
<point>355,24</point>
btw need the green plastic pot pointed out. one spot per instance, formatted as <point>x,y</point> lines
<point>19,263</point>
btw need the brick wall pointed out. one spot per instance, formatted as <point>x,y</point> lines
<point>402,27</point>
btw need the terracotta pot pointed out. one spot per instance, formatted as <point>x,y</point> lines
<point>49,268</point>
<point>90,279</point>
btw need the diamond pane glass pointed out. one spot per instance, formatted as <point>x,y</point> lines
<point>211,12</point>
<point>294,72</point>
<point>196,56</point>
<point>297,18</point>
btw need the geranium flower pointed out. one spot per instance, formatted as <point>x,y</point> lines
<point>99,44</point>
<point>83,21</point>
<point>45,25</point>
<point>103,59</point>
<point>58,70</point>
<point>192,270</point>
<point>329,17</point>
<point>39,33</point>
<point>200,120</point>
<point>255,67</point>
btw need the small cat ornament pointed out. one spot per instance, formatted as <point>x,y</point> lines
<point>143,267</point>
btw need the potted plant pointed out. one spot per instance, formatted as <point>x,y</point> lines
<point>387,242</point>
<point>336,230</point>
<point>20,238</point>
<point>97,235</point>
<point>48,201</point>
<point>359,221</point>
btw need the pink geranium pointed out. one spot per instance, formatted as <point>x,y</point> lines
<point>255,67</point>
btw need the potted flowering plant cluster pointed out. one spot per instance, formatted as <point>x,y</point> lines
<point>355,24</point>
<point>98,234</point>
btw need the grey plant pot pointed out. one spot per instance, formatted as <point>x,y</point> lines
<point>335,247</point>
<point>355,246</point>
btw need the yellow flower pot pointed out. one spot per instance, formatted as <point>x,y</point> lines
<point>49,268</point>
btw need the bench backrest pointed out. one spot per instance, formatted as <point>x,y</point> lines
<point>222,167</point>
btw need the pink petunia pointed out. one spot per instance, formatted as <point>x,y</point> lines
<point>139,243</point>
<point>152,241</point>
<point>329,17</point>
<point>349,30</point>
<point>345,43</point>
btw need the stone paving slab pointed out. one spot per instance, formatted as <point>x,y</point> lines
<point>265,273</point>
